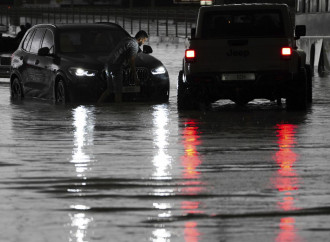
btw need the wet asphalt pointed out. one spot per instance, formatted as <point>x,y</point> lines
<point>147,172</point>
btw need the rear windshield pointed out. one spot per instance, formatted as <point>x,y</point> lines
<point>89,40</point>
<point>242,24</point>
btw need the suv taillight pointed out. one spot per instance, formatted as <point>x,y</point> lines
<point>286,52</point>
<point>190,55</point>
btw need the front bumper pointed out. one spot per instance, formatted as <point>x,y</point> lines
<point>91,88</point>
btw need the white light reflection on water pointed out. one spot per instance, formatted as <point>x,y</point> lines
<point>162,169</point>
<point>83,122</point>
<point>83,137</point>
<point>79,225</point>
<point>161,161</point>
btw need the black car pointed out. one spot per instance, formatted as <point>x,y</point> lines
<point>65,63</point>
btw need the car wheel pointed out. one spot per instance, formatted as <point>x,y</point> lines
<point>61,95</point>
<point>297,98</point>
<point>16,89</point>
<point>185,99</point>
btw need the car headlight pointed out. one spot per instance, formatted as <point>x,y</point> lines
<point>82,72</point>
<point>159,70</point>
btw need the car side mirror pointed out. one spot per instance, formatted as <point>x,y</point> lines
<point>44,51</point>
<point>147,49</point>
<point>300,30</point>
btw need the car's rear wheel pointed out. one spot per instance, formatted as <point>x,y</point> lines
<point>185,99</point>
<point>297,97</point>
<point>61,94</point>
<point>16,89</point>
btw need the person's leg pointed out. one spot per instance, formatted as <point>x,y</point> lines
<point>118,85</point>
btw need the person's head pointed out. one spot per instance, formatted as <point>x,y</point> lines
<point>27,25</point>
<point>141,37</point>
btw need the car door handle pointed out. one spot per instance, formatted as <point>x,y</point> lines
<point>36,62</point>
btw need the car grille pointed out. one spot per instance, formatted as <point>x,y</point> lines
<point>142,73</point>
<point>5,61</point>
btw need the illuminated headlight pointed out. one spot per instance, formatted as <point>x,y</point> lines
<point>159,70</point>
<point>82,72</point>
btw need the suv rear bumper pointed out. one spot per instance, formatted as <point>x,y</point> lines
<point>267,84</point>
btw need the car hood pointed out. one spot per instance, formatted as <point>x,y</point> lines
<point>97,60</point>
<point>146,60</point>
<point>90,60</point>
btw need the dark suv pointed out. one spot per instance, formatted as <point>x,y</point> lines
<point>65,63</point>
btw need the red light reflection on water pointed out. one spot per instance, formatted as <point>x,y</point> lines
<point>192,184</point>
<point>286,180</point>
<point>191,232</point>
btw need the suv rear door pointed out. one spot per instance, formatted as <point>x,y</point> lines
<point>244,40</point>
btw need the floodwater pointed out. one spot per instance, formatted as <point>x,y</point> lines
<point>146,172</point>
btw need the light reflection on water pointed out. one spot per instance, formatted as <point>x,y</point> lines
<point>83,123</point>
<point>287,180</point>
<point>162,160</point>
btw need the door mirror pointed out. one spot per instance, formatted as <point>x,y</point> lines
<point>43,51</point>
<point>300,31</point>
<point>147,49</point>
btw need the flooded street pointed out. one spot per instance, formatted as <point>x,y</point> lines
<point>146,172</point>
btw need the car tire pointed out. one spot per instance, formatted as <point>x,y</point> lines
<point>297,97</point>
<point>16,89</point>
<point>185,100</point>
<point>61,93</point>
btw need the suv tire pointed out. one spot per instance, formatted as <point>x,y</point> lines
<point>297,96</point>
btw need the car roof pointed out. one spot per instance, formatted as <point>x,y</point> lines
<point>100,25</point>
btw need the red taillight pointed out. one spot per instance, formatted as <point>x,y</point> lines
<point>286,51</point>
<point>190,55</point>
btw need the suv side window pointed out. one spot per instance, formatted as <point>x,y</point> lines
<point>48,41</point>
<point>27,41</point>
<point>35,46</point>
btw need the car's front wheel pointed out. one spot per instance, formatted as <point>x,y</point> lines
<point>61,93</point>
<point>16,89</point>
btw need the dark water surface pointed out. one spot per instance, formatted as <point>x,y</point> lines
<point>146,172</point>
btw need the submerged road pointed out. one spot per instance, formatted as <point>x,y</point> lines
<point>146,172</point>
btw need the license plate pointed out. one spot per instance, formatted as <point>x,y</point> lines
<point>238,76</point>
<point>131,89</point>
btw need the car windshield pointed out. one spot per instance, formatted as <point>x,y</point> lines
<point>243,24</point>
<point>89,40</point>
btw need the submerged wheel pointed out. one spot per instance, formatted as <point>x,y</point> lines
<point>297,98</point>
<point>16,89</point>
<point>61,95</point>
<point>185,99</point>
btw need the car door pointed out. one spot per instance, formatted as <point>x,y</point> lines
<point>22,56</point>
<point>34,66</point>
<point>47,67</point>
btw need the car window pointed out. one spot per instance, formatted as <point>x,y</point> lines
<point>90,40</point>
<point>35,46</point>
<point>27,41</point>
<point>243,24</point>
<point>48,41</point>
